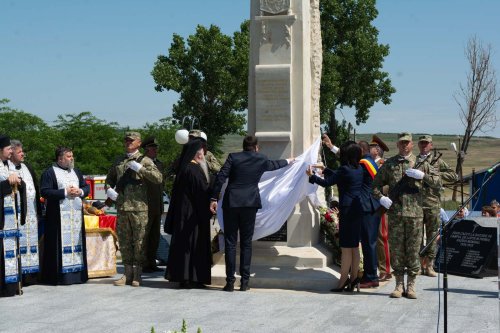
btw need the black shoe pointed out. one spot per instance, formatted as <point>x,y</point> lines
<point>345,287</point>
<point>228,287</point>
<point>354,284</point>
<point>185,285</point>
<point>198,285</point>
<point>244,286</point>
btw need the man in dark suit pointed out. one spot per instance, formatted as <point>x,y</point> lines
<point>240,204</point>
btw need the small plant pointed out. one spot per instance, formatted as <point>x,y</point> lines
<point>183,328</point>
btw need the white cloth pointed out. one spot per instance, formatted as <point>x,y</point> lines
<point>386,202</point>
<point>280,191</point>
<point>443,216</point>
<point>415,173</point>
<point>112,194</point>
<point>134,165</point>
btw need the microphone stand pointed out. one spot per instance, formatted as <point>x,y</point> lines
<point>444,227</point>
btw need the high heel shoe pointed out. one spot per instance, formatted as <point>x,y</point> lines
<point>354,284</point>
<point>345,286</point>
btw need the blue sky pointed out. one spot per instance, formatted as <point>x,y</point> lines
<point>60,56</point>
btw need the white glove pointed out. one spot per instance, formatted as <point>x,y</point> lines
<point>386,202</point>
<point>112,194</point>
<point>443,216</point>
<point>415,173</point>
<point>135,166</point>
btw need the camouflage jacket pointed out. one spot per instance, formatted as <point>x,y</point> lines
<point>155,191</point>
<point>133,196</point>
<point>431,195</point>
<point>213,163</point>
<point>409,203</point>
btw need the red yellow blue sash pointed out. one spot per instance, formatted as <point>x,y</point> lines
<point>372,168</point>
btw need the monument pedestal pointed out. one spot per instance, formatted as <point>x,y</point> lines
<point>277,266</point>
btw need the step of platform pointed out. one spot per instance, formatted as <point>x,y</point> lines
<point>283,256</point>
<point>283,267</point>
<point>289,278</point>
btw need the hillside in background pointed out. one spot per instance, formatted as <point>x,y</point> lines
<point>483,151</point>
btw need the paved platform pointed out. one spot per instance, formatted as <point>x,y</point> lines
<point>98,306</point>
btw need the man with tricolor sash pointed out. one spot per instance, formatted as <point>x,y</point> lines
<point>369,228</point>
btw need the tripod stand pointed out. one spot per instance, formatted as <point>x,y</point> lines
<point>444,229</point>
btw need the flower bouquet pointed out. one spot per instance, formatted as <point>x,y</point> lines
<point>329,228</point>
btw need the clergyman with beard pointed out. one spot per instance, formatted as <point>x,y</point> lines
<point>63,187</point>
<point>189,259</point>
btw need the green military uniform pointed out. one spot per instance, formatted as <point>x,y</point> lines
<point>213,163</point>
<point>155,209</point>
<point>406,213</point>
<point>431,200</point>
<point>132,205</point>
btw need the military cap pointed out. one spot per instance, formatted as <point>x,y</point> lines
<point>376,141</point>
<point>4,141</point>
<point>425,137</point>
<point>195,133</point>
<point>133,135</point>
<point>149,142</point>
<point>404,136</point>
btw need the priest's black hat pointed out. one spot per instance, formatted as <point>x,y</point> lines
<point>4,141</point>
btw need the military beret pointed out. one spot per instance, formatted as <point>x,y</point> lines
<point>195,133</point>
<point>426,138</point>
<point>4,141</point>
<point>149,142</point>
<point>376,141</point>
<point>133,135</point>
<point>404,136</point>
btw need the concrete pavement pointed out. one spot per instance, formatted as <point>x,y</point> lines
<point>98,306</point>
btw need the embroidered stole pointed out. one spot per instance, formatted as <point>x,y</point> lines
<point>71,223</point>
<point>28,242</point>
<point>9,234</point>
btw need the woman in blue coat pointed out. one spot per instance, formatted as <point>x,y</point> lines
<point>352,198</point>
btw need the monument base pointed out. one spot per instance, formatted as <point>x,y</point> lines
<point>277,266</point>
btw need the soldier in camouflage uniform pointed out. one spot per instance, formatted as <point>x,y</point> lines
<point>404,210</point>
<point>431,202</point>
<point>125,183</point>
<point>212,162</point>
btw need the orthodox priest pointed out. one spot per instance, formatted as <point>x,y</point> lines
<point>10,220</point>
<point>190,256</point>
<point>63,187</point>
<point>28,241</point>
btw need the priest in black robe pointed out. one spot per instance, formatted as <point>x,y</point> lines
<point>188,220</point>
<point>65,254</point>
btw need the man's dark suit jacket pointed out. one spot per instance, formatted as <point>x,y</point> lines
<point>244,170</point>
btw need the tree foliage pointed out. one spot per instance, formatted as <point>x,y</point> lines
<point>95,142</point>
<point>209,70</point>
<point>352,61</point>
<point>32,131</point>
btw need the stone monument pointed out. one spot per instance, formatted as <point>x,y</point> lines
<point>284,81</point>
<point>283,112</point>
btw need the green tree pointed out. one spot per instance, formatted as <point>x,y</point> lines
<point>96,143</point>
<point>37,137</point>
<point>352,61</point>
<point>209,71</point>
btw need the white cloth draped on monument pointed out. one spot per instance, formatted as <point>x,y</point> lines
<point>280,191</point>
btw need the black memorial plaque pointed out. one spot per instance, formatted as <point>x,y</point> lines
<point>469,245</point>
<point>278,236</point>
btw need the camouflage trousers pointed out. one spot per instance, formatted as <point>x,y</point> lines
<point>131,229</point>
<point>405,236</point>
<point>431,224</point>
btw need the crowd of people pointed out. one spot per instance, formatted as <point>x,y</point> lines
<point>387,206</point>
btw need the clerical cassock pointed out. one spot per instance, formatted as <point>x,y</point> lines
<point>190,256</point>
<point>64,261</point>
